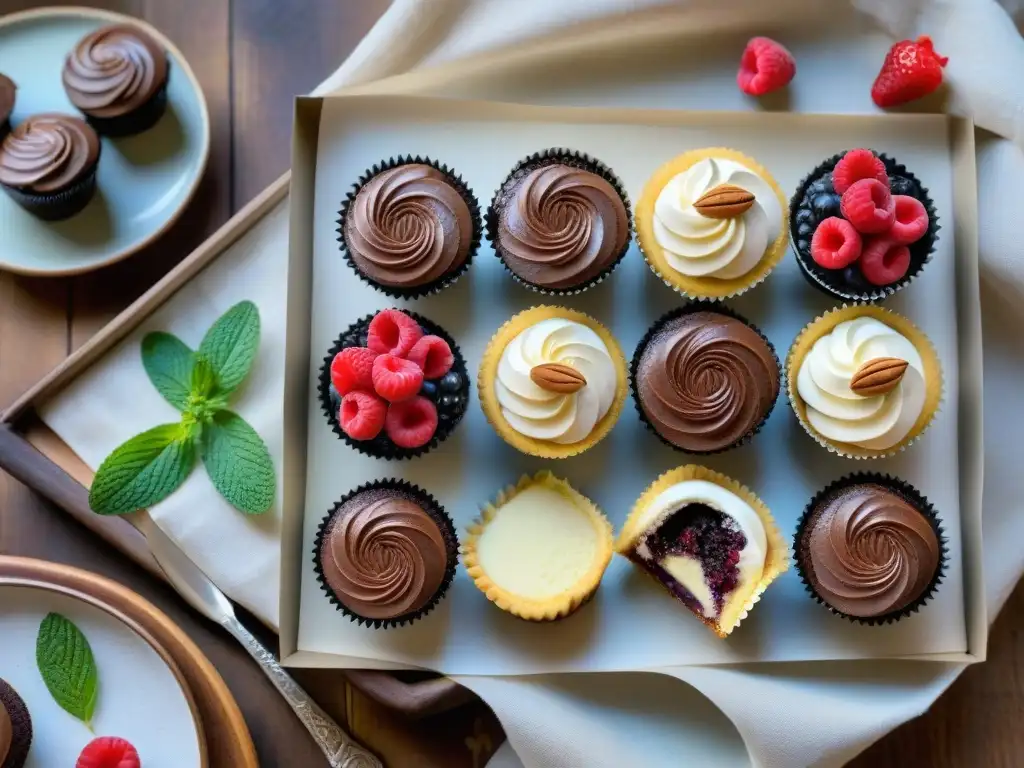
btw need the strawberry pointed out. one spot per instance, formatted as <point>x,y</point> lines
<point>765,66</point>
<point>361,415</point>
<point>411,423</point>
<point>433,355</point>
<point>396,379</point>
<point>911,69</point>
<point>352,369</point>
<point>911,220</point>
<point>835,244</point>
<point>392,332</point>
<point>108,752</point>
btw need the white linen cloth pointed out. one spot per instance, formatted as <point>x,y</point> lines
<point>768,714</point>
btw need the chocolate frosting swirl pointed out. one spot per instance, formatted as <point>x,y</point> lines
<point>705,380</point>
<point>870,552</point>
<point>383,555</point>
<point>48,153</point>
<point>114,70</point>
<point>7,93</point>
<point>560,226</point>
<point>408,226</point>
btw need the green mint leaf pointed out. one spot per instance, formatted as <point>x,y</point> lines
<point>168,363</point>
<point>238,463</point>
<point>203,382</point>
<point>142,471</point>
<point>230,344</point>
<point>67,666</point>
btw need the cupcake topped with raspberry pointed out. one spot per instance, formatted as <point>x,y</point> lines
<point>863,226</point>
<point>394,385</point>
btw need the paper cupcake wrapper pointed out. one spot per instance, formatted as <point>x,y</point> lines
<point>138,120</point>
<point>380,447</point>
<point>920,251</point>
<point>776,558</point>
<point>436,512</point>
<point>909,494</point>
<point>825,323</point>
<point>21,725</point>
<point>428,289</point>
<point>565,156</point>
<point>526,608</point>
<point>488,372</point>
<point>706,288</point>
<point>696,306</point>
<point>57,206</point>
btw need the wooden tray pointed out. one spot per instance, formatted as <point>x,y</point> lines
<point>228,742</point>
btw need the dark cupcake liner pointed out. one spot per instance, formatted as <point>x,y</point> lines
<point>380,447</point>
<point>21,725</point>
<point>700,305</point>
<point>464,191</point>
<point>831,281</point>
<point>909,494</point>
<point>56,206</point>
<point>575,159</point>
<point>444,523</point>
<point>138,120</point>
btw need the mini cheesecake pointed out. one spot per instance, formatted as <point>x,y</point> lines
<point>708,540</point>
<point>539,550</point>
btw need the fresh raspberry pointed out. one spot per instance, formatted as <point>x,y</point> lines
<point>433,355</point>
<point>911,69</point>
<point>108,752</point>
<point>351,369</point>
<point>392,332</point>
<point>396,379</point>
<point>361,415</point>
<point>855,165</point>
<point>883,262</point>
<point>868,205</point>
<point>835,244</point>
<point>411,423</point>
<point>911,220</point>
<point>765,66</point>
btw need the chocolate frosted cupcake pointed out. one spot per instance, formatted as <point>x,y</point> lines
<point>117,76</point>
<point>863,226</point>
<point>703,379</point>
<point>870,548</point>
<point>15,728</point>
<point>386,554</point>
<point>394,385</point>
<point>410,227</point>
<point>8,93</point>
<point>48,165</point>
<point>560,222</point>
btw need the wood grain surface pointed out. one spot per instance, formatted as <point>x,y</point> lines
<point>252,57</point>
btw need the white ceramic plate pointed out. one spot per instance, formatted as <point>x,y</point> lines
<point>145,181</point>
<point>141,698</point>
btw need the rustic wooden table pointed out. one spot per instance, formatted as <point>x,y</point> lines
<point>252,57</point>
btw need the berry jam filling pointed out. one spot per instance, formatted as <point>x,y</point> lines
<point>709,537</point>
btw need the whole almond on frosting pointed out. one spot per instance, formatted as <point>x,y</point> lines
<point>878,376</point>
<point>556,377</point>
<point>726,201</point>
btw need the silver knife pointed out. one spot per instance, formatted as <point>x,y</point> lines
<point>341,750</point>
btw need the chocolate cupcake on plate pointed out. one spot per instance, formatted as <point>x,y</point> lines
<point>560,222</point>
<point>117,77</point>
<point>15,728</point>
<point>703,379</point>
<point>410,227</point>
<point>870,548</point>
<point>48,165</point>
<point>8,94</point>
<point>386,553</point>
<point>394,385</point>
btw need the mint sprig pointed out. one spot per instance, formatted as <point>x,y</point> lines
<point>151,466</point>
<point>67,666</point>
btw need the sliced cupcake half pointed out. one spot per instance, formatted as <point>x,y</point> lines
<point>539,550</point>
<point>708,540</point>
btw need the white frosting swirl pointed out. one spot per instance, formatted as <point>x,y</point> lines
<point>837,412</point>
<point>687,570</point>
<point>697,246</point>
<point>557,417</point>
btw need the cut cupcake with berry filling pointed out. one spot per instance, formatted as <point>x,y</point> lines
<point>708,540</point>
<point>863,226</point>
<point>394,385</point>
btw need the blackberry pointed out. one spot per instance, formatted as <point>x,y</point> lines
<point>901,185</point>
